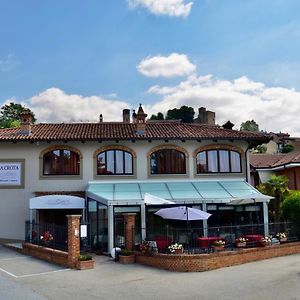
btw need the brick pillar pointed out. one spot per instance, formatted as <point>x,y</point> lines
<point>129,224</point>
<point>73,240</point>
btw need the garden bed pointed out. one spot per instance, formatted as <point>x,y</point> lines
<point>212,261</point>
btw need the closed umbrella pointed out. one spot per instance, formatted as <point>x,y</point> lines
<point>183,213</point>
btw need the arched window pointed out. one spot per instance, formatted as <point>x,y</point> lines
<point>61,162</point>
<point>168,161</point>
<point>218,161</point>
<point>114,162</point>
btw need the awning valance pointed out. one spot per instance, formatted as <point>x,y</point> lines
<point>57,202</point>
<point>197,191</point>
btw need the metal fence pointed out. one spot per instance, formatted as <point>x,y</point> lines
<point>47,235</point>
<point>195,240</point>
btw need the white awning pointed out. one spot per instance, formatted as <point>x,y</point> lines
<point>56,202</point>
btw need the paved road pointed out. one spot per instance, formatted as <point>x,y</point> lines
<point>274,279</point>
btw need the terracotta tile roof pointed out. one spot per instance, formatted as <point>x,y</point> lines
<point>125,131</point>
<point>274,160</point>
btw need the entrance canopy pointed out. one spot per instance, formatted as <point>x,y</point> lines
<point>180,192</point>
<point>56,202</point>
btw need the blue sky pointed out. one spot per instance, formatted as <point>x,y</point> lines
<point>90,53</point>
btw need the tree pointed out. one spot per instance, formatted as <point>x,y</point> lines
<point>184,113</point>
<point>261,149</point>
<point>276,186</point>
<point>249,126</point>
<point>9,115</point>
<point>290,210</point>
<point>287,148</point>
<point>159,116</point>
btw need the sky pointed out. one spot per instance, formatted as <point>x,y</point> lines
<point>71,60</point>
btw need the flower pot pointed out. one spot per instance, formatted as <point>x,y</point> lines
<point>218,248</point>
<point>85,264</point>
<point>240,244</point>
<point>127,259</point>
<point>178,251</point>
<point>283,240</point>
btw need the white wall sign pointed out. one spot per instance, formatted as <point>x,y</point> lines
<point>83,231</point>
<point>10,173</point>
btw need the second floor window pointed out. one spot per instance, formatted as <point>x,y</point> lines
<point>61,162</point>
<point>114,162</point>
<point>168,161</point>
<point>218,161</point>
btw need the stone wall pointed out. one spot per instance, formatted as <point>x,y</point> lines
<point>212,261</point>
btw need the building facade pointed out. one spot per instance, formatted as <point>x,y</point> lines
<point>113,165</point>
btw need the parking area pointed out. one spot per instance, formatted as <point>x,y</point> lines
<point>18,265</point>
<point>277,278</point>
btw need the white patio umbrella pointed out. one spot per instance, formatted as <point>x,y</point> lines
<point>250,199</point>
<point>183,213</point>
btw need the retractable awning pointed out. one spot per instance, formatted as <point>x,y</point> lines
<point>56,202</point>
<point>181,192</point>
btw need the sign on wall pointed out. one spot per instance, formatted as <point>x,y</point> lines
<point>11,173</point>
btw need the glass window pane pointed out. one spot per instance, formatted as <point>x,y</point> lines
<point>128,163</point>
<point>224,160</point>
<point>101,164</point>
<point>201,162</point>
<point>119,162</point>
<point>212,161</point>
<point>235,160</point>
<point>110,163</point>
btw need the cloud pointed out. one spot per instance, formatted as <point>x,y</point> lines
<point>9,63</point>
<point>273,108</point>
<point>54,105</point>
<point>166,66</point>
<point>172,8</point>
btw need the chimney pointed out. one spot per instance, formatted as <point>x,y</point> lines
<point>26,117</point>
<point>228,125</point>
<point>141,121</point>
<point>101,118</point>
<point>134,116</point>
<point>126,115</point>
<point>206,116</point>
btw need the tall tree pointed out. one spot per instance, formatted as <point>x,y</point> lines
<point>249,126</point>
<point>276,186</point>
<point>184,113</point>
<point>159,116</point>
<point>9,115</point>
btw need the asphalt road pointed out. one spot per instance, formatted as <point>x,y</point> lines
<point>277,278</point>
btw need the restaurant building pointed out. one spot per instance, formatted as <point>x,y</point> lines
<point>112,165</point>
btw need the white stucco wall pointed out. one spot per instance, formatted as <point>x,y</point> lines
<point>14,203</point>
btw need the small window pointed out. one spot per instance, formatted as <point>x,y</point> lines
<point>168,161</point>
<point>114,162</point>
<point>61,162</point>
<point>218,161</point>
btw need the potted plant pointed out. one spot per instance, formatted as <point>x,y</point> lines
<point>145,247</point>
<point>265,241</point>
<point>126,257</point>
<point>46,238</point>
<point>218,245</point>
<point>282,237</point>
<point>176,248</point>
<point>240,242</point>
<point>85,261</point>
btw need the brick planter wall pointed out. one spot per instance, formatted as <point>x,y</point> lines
<point>51,255</point>
<point>206,262</point>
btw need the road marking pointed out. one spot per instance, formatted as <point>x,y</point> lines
<point>8,273</point>
<point>36,274</point>
<point>13,258</point>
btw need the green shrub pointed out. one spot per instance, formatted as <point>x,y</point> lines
<point>85,256</point>
<point>290,207</point>
<point>125,252</point>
